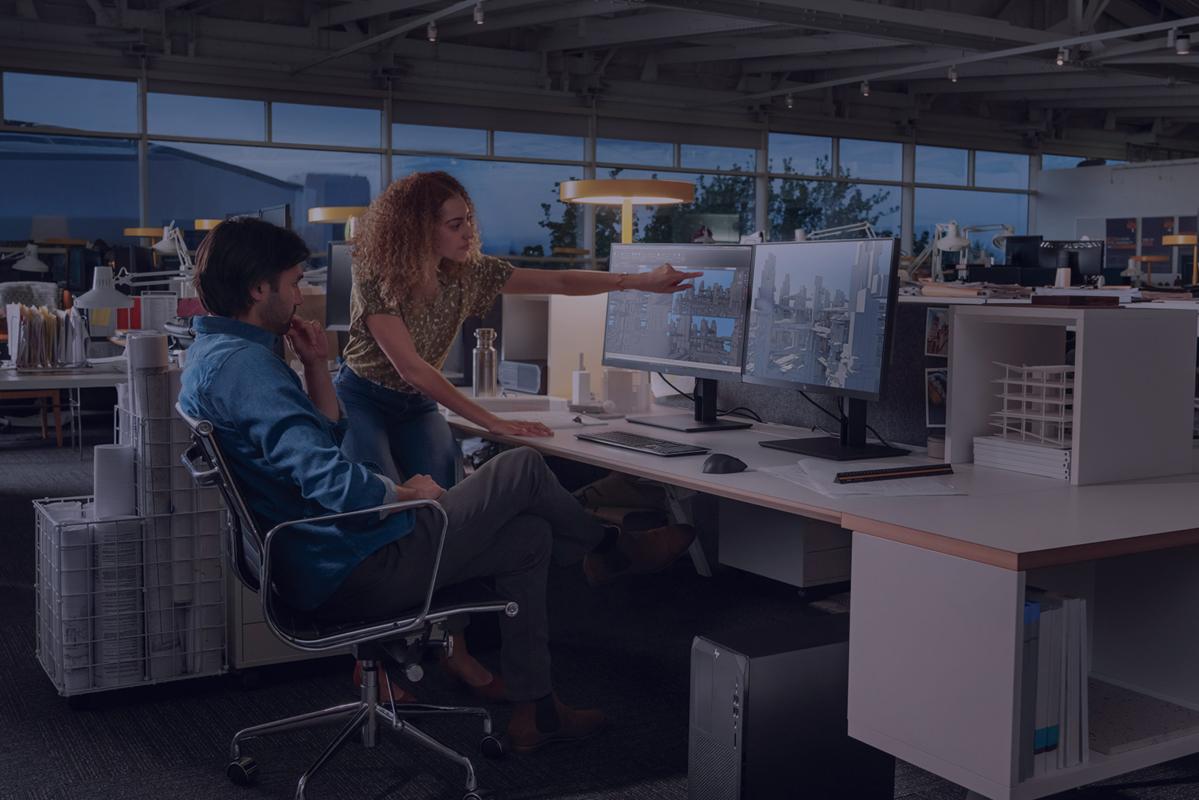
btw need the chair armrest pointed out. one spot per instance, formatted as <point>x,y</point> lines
<point>384,629</point>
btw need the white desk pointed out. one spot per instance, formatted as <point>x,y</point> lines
<point>938,588</point>
<point>73,381</point>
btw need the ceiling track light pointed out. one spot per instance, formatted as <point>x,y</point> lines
<point>1182,44</point>
<point>1063,55</point>
<point>789,101</point>
<point>953,73</point>
<point>479,12</point>
<point>431,31</point>
<point>865,88</point>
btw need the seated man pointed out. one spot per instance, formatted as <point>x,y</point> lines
<point>505,522</point>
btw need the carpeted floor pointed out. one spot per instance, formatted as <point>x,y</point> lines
<point>625,650</point>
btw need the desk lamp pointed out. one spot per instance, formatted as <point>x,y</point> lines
<point>29,262</point>
<point>626,192</point>
<point>826,233</point>
<point>1182,240</point>
<point>103,295</point>
<point>338,214</point>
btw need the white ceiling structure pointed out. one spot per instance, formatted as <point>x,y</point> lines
<point>798,65</point>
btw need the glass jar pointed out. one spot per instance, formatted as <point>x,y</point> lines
<point>486,364</point>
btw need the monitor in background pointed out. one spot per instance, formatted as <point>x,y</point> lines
<point>1022,251</point>
<point>276,215</point>
<point>1084,257</point>
<point>699,332</point>
<point>338,280</point>
<point>820,319</point>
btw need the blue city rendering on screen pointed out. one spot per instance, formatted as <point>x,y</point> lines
<point>699,331</point>
<point>818,314</point>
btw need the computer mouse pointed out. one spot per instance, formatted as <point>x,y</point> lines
<point>722,463</point>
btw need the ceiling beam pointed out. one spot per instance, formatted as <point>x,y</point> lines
<point>855,16</point>
<point>647,26</point>
<point>757,47</point>
<point>937,66</point>
<point>399,30</point>
<point>361,9</point>
<point>542,15</point>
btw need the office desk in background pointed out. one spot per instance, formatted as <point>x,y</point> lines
<point>938,592</point>
<point>73,381</point>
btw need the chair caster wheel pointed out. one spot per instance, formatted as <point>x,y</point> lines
<point>242,771</point>
<point>491,747</point>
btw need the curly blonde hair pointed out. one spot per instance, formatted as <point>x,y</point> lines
<point>396,240</point>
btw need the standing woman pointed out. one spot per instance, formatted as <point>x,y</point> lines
<point>418,274</point>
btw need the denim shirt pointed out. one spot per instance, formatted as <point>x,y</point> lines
<point>286,456</point>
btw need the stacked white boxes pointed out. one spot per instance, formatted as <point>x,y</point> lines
<point>135,599</point>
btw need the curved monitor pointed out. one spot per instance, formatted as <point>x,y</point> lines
<point>698,332</point>
<point>821,315</point>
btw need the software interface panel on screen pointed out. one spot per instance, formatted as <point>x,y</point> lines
<point>818,314</point>
<point>699,331</point>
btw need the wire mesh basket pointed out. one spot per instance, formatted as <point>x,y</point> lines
<point>127,601</point>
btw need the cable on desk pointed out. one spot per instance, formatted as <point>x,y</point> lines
<point>745,411</point>
<point>840,416</point>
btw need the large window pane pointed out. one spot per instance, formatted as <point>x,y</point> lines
<point>627,151</point>
<point>941,165</point>
<point>190,181</point>
<point>875,160</point>
<point>800,155</point>
<point>517,204</point>
<point>335,125</point>
<point>969,208</point>
<point>65,186</point>
<point>436,139</point>
<point>723,208</point>
<point>817,205</point>
<point>215,117</point>
<point>86,104</point>
<point>539,145</point>
<point>1001,170</point>
<point>709,157</point>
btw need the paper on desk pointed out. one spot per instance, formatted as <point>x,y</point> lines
<point>817,474</point>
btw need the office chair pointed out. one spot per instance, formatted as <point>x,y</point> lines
<point>406,640</point>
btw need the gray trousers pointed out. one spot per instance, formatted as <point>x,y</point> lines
<point>506,521</point>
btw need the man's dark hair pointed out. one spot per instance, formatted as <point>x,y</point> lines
<point>239,254</point>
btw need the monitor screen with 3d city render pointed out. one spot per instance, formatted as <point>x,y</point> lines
<point>820,320</point>
<point>699,332</point>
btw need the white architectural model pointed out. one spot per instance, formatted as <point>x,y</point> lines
<point>1036,404</point>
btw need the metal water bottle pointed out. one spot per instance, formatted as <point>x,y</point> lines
<point>486,363</point>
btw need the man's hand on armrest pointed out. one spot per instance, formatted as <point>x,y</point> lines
<point>420,487</point>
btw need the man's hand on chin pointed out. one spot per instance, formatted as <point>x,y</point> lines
<point>308,341</point>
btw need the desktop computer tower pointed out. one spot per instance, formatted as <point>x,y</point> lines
<point>768,717</point>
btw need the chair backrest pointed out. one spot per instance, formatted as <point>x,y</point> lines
<point>207,466</point>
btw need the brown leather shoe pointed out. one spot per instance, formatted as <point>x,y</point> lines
<point>637,553</point>
<point>494,691</point>
<point>398,693</point>
<point>570,725</point>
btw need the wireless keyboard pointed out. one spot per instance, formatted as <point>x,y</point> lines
<point>642,444</point>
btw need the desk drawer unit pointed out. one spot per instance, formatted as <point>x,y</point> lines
<point>795,550</point>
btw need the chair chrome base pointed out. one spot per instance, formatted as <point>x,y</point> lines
<point>363,717</point>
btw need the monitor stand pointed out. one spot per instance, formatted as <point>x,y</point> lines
<point>851,446</point>
<point>704,419</point>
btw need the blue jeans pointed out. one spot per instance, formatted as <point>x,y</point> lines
<point>400,432</point>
